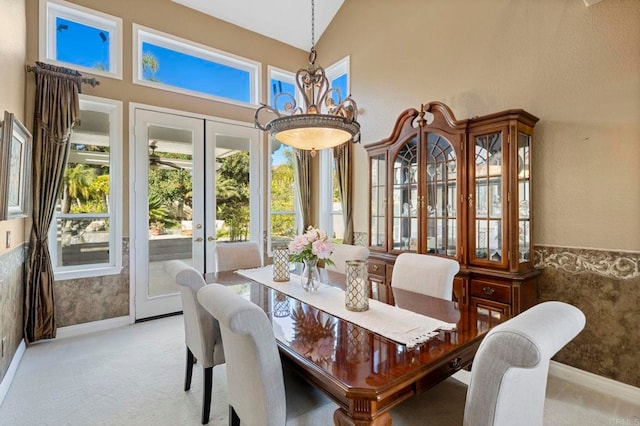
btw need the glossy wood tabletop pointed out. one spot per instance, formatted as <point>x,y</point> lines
<point>364,373</point>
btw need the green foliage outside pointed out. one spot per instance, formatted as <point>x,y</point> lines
<point>283,199</point>
<point>232,196</point>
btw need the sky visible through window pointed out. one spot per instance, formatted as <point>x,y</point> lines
<point>193,73</point>
<point>82,44</point>
<point>277,87</point>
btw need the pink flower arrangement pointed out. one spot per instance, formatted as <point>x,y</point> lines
<point>314,244</point>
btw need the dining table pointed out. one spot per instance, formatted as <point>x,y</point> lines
<point>365,373</point>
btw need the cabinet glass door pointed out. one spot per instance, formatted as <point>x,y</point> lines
<point>487,201</point>
<point>524,198</point>
<point>441,211</point>
<point>405,197</point>
<point>378,167</point>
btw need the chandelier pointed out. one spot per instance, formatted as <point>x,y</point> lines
<point>307,126</point>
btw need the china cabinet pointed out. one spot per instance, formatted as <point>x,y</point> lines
<point>461,189</point>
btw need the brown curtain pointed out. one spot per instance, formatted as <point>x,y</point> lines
<point>342,155</point>
<point>303,180</point>
<point>57,110</point>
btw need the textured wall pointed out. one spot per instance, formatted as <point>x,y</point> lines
<point>95,298</point>
<point>11,284</point>
<point>605,286</point>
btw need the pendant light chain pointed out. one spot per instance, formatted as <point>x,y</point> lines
<point>313,29</point>
<point>312,52</point>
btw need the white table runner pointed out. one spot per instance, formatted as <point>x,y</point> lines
<point>400,325</point>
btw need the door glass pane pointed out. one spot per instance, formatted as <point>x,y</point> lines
<point>524,197</point>
<point>488,197</point>
<point>378,197</point>
<point>441,195</point>
<point>170,204</point>
<point>405,203</point>
<point>232,188</point>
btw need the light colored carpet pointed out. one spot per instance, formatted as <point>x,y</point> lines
<point>134,375</point>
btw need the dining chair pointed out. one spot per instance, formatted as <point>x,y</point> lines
<point>201,330</point>
<point>343,252</point>
<point>509,373</point>
<point>259,390</point>
<point>425,274</point>
<point>232,256</point>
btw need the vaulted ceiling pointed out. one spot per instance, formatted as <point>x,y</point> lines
<point>288,21</point>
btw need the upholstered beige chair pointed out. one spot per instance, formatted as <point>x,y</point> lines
<point>201,330</point>
<point>343,252</point>
<point>232,256</point>
<point>509,374</point>
<point>259,390</point>
<point>425,274</point>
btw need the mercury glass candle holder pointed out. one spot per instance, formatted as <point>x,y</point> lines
<point>357,292</point>
<point>280,264</point>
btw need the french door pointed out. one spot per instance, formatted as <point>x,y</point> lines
<point>195,183</point>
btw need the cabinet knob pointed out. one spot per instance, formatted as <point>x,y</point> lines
<point>374,267</point>
<point>199,239</point>
<point>488,290</point>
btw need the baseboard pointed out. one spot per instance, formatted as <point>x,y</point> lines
<point>594,381</point>
<point>11,371</point>
<point>91,327</point>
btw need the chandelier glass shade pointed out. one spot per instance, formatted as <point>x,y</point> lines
<point>324,119</point>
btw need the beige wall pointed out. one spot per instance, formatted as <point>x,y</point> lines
<point>178,20</point>
<point>13,33</point>
<point>13,36</point>
<point>577,68</point>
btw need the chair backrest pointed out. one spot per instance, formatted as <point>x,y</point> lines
<point>255,383</point>
<point>201,329</point>
<point>343,252</point>
<point>232,256</point>
<point>425,274</point>
<point>509,374</point>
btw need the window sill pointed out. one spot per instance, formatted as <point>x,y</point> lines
<point>87,273</point>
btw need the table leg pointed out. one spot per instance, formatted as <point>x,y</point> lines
<point>342,418</point>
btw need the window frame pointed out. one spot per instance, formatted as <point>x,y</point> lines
<point>327,164</point>
<point>115,216</point>
<point>52,9</point>
<point>143,34</point>
<point>289,77</point>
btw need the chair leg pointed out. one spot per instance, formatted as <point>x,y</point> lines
<point>189,370</point>
<point>234,420</point>
<point>206,398</point>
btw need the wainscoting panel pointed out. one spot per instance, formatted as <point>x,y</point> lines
<point>605,285</point>
<point>11,291</point>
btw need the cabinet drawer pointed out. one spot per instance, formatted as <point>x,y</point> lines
<point>376,268</point>
<point>501,309</point>
<point>491,290</point>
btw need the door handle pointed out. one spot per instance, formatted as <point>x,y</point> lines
<point>199,239</point>
<point>211,239</point>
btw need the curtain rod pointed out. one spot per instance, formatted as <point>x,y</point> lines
<point>90,81</point>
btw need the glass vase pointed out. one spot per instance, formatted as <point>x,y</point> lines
<point>310,275</point>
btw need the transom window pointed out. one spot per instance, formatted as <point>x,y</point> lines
<point>88,40</point>
<point>170,63</point>
<point>86,231</point>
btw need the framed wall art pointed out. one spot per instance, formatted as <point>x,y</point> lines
<point>15,169</point>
